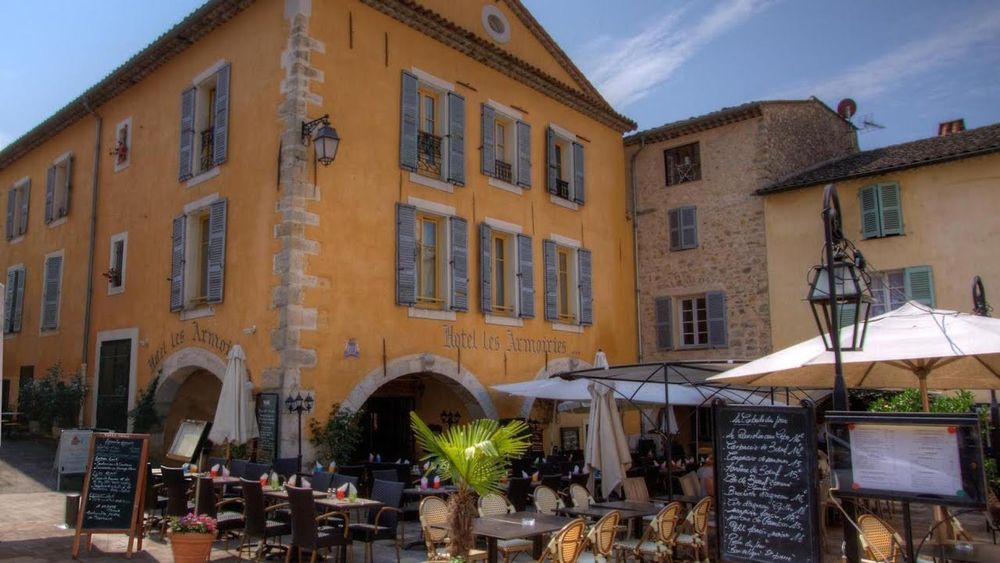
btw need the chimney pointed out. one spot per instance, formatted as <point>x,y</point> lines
<point>949,127</point>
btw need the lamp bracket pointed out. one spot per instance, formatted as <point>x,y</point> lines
<point>309,126</point>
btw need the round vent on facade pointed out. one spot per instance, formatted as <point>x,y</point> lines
<point>495,24</point>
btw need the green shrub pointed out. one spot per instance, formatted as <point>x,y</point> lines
<point>54,399</point>
<point>338,438</point>
<point>144,417</point>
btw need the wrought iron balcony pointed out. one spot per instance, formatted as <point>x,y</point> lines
<point>207,149</point>
<point>428,154</point>
<point>502,171</point>
<point>562,188</point>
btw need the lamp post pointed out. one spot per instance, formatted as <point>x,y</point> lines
<point>982,308</point>
<point>326,141</point>
<point>838,292</point>
<point>450,417</point>
<point>299,405</point>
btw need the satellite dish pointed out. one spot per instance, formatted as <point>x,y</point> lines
<point>847,108</point>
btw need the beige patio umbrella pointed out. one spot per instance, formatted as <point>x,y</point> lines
<point>914,344</point>
<point>607,446</point>
<point>235,422</point>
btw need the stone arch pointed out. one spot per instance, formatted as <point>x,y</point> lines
<point>557,365</point>
<point>176,369</point>
<point>462,381</point>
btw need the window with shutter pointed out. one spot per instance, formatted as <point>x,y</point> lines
<point>683,226</point>
<point>551,280</point>
<point>565,166</point>
<point>664,323</point>
<point>456,139</point>
<point>13,299</point>
<point>204,140</point>
<point>718,332</point>
<point>57,189</point>
<point>459,263</point>
<point>116,263</point>
<point>177,263</point>
<point>920,285</point>
<point>23,197</point>
<point>694,321</point>
<point>503,286</point>
<point>881,210</point>
<point>526,277</point>
<point>11,225</point>
<point>583,258</point>
<point>682,164</point>
<point>408,101</point>
<point>506,146</point>
<point>486,268</point>
<point>51,291</point>
<point>406,254</point>
<point>216,251</point>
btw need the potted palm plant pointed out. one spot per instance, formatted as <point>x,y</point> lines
<point>475,456</point>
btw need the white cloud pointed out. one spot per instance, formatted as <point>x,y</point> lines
<point>892,69</point>
<point>629,68</point>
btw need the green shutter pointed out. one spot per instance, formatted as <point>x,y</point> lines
<point>22,226</point>
<point>8,303</point>
<point>19,300</point>
<point>890,205</point>
<point>68,186</point>
<point>847,312</point>
<point>664,323</point>
<point>920,285</point>
<point>178,239</point>
<point>551,279</point>
<point>50,292</point>
<point>718,333</point>
<point>868,201</point>
<point>11,212</point>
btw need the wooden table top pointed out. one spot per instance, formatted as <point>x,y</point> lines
<point>283,494</point>
<point>510,527</point>
<point>638,508</point>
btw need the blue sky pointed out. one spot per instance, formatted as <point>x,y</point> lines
<point>909,64</point>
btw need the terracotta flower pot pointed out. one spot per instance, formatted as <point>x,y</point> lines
<point>191,547</point>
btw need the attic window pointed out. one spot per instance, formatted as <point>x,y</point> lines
<point>495,24</point>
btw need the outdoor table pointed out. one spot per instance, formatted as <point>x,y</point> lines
<point>509,527</point>
<point>442,491</point>
<point>282,494</point>
<point>595,512</point>
<point>684,499</point>
<point>986,552</point>
<point>345,504</point>
<point>639,508</point>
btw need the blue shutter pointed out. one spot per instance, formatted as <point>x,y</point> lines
<point>919,285</point>
<point>19,299</point>
<point>11,212</point>
<point>526,275</point>
<point>715,302</point>
<point>50,193</point>
<point>868,201</point>
<point>217,215</point>
<point>524,155</point>
<point>406,254</point>
<point>408,126</point>
<point>68,186</point>
<point>177,248</point>
<point>489,149</point>
<point>22,226</point>
<point>664,323</point>
<point>456,139</point>
<point>8,300</point>
<point>551,174</point>
<point>551,280</point>
<point>485,268</point>
<point>586,287</point>
<point>50,298</point>
<point>890,206</point>
<point>674,226</point>
<point>459,264</point>
<point>578,188</point>
<point>689,227</point>
<point>220,137</point>
<point>187,134</point>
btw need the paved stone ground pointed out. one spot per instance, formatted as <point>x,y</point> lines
<point>31,510</point>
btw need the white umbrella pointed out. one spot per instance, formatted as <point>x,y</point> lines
<point>601,359</point>
<point>607,447</point>
<point>235,422</point>
<point>934,348</point>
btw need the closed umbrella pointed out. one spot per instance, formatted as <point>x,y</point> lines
<point>607,447</point>
<point>235,422</point>
<point>934,348</point>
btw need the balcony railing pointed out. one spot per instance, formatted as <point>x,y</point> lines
<point>562,188</point>
<point>502,171</point>
<point>429,154</point>
<point>207,149</point>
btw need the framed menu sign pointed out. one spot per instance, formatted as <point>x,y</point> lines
<point>112,499</point>
<point>188,440</point>
<point>766,484</point>
<point>267,424</point>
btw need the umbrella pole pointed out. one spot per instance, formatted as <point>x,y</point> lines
<point>922,377</point>
<point>668,446</point>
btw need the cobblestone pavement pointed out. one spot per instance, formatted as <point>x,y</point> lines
<point>31,511</point>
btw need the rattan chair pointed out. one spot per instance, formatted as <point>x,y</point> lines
<point>258,525</point>
<point>580,496</point>
<point>567,544</point>
<point>691,485</point>
<point>601,539</point>
<point>695,536</point>
<point>635,489</point>
<point>658,540</point>
<point>434,525</point>
<point>493,504</point>
<point>879,540</point>
<point>228,513</point>
<point>547,501</point>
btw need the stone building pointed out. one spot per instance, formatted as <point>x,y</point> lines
<point>702,280</point>
<point>469,231</point>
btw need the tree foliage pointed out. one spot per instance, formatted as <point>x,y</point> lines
<point>54,399</point>
<point>144,417</point>
<point>338,438</point>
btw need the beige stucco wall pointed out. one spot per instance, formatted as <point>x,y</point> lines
<point>950,219</point>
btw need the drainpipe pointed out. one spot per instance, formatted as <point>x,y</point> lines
<point>88,301</point>
<point>635,248</point>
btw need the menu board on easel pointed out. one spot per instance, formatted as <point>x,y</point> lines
<point>112,499</point>
<point>267,423</point>
<point>188,440</point>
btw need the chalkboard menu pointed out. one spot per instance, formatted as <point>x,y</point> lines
<point>766,484</point>
<point>267,423</point>
<point>113,486</point>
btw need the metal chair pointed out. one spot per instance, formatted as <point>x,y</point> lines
<point>601,538</point>
<point>658,539</point>
<point>518,491</point>
<point>257,524</point>
<point>384,523</point>
<point>306,530</point>
<point>493,504</point>
<point>321,480</point>
<point>696,537</point>
<point>547,501</point>
<point>567,544</point>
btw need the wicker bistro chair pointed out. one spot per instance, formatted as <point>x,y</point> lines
<point>434,525</point>
<point>580,496</point>
<point>567,544</point>
<point>635,489</point>
<point>258,525</point>
<point>601,539</point>
<point>227,521</point>
<point>658,540</point>
<point>695,537</point>
<point>547,501</point>
<point>383,523</point>
<point>493,504</point>
<point>306,530</point>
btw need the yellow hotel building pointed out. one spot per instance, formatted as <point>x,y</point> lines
<point>471,230</point>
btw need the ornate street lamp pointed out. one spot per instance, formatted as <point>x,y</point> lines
<point>326,141</point>
<point>299,405</point>
<point>450,417</point>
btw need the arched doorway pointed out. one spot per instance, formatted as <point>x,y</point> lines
<point>191,380</point>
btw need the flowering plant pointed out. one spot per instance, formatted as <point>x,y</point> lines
<point>193,524</point>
